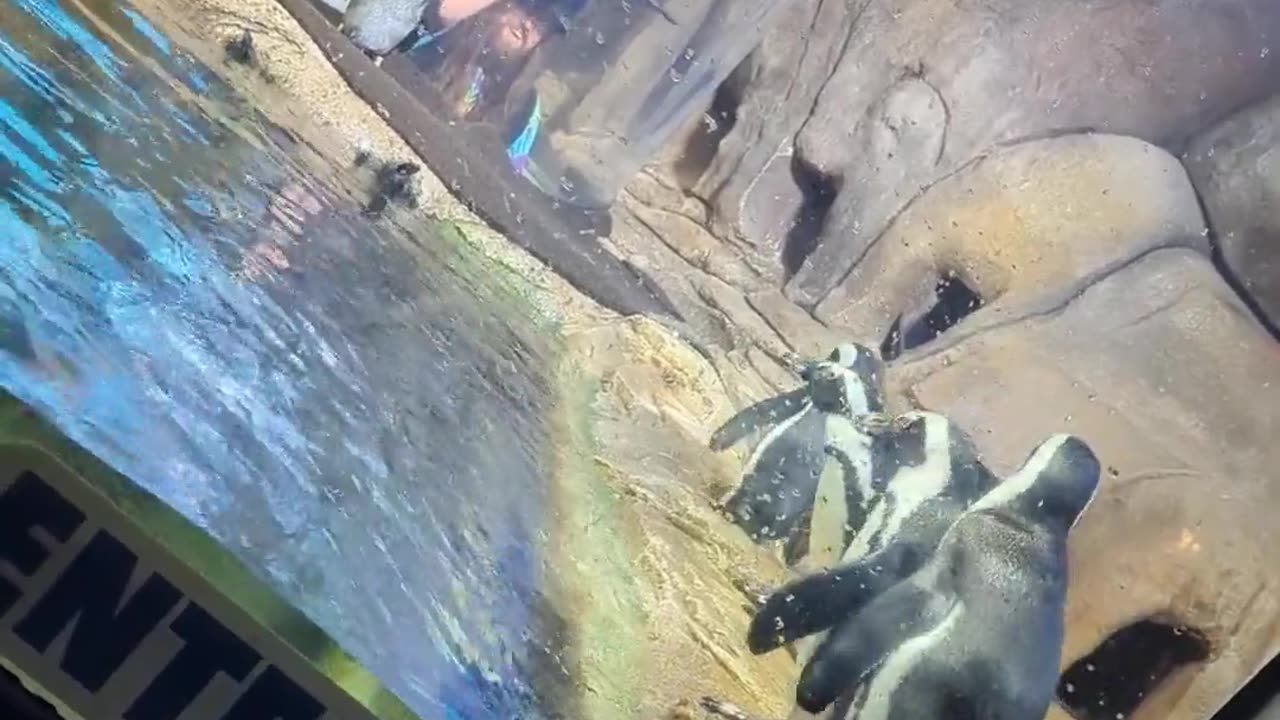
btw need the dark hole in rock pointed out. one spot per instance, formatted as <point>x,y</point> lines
<point>953,301</point>
<point>704,142</point>
<point>1113,680</point>
<point>818,190</point>
<point>1259,699</point>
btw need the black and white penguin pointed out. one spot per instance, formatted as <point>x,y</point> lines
<point>977,631</point>
<point>922,458</point>
<point>927,474</point>
<point>780,486</point>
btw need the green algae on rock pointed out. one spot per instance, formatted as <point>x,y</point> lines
<point>648,575</point>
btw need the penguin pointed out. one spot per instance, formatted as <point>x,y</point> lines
<point>921,458</point>
<point>392,182</point>
<point>928,473</point>
<point>780,486</point>
<point>242,49</point>
<point>975,632</point>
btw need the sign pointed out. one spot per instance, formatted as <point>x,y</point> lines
<point>102,620</point>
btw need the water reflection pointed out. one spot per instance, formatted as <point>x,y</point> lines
<point>351,406</point>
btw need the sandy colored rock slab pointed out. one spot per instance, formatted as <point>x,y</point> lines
<point>680,222</point>
<point>719,313</point>
<point>923,86</point>
<point>1177,388</point>
<point>649,574</point>
<point>1236,168</point>
<point>1024,227</point>
<point>808,337</point>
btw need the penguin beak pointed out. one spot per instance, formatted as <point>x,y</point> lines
<point>807,370</point>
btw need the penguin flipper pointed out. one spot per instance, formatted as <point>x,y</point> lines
<point>817,602</point>
<point>779,489</point>
<point>765,413</point>
<point>855,648</point>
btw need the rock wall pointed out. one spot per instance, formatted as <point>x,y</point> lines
<point>889,98</point>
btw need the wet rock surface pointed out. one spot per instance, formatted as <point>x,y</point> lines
<point>1235,166</point>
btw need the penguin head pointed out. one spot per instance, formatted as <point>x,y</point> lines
<point>853,356</point>
<point>1052,488</point>
<point>847,382</point>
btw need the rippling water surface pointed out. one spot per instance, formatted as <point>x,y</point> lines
<point>351,407</point>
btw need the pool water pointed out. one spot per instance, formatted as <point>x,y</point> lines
<point>346,403</point>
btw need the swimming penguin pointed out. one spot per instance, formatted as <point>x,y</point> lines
<point>977,631</point>
<point>928,474</point>
<point>241,49</point>
<point>392,182</point>
<point>780,485</point>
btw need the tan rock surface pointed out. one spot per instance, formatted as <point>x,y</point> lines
<point>679,220</point>
<point>664,618</point>
<point>1163,371</point>
<point>1235,166</point>
<point>1025,227</point>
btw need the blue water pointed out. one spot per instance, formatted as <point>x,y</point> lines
<point>193,294</point>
